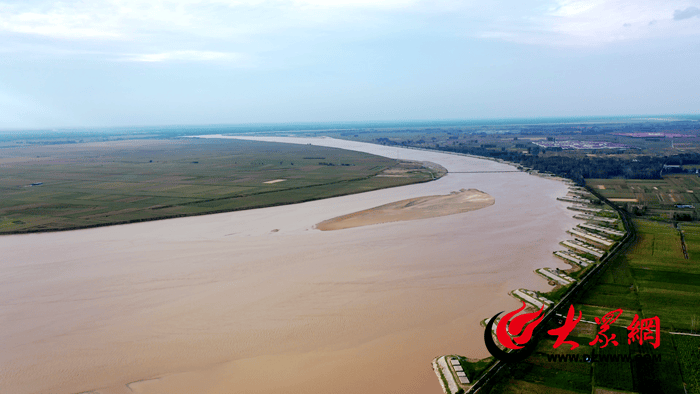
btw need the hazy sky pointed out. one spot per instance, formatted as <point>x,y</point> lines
<point>149,62</point>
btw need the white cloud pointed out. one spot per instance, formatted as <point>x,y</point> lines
<point>113,19</point>
<point>189,56</point>
<point>168,30</point>
<point>569,8</point>
<point>184,30</point>
<point>383,4</point>
<point>594,22</point>
<point>234,32</point>
<point>60,21</point>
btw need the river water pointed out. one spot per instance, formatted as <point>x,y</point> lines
<point>223,304</point>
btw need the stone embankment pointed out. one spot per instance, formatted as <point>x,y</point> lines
<point>571,257</point>
<point>583,247</point>
<point>602,229</point>
<point>573,199</point>
<point>556,276</point>
<point>584,208</point>
<point>594,218</point>
<point>450,369</point>
<point>591,238</point>
<point>532,298</point>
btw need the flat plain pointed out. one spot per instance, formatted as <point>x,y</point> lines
<point>68,186</point>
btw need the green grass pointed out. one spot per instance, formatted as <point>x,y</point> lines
<point>652,279</point>
<point>560,375</point>
<point>614,375</point>
<point>474,369</point>
<point>552,377</point>
<point>691,233</point>
<point>657,376</point>
<point>688,353</point>
<point>442,378</point>
<point>127,181</point>
<point>667,285</point>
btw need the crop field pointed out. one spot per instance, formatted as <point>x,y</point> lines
<point>666,283</point>
<point>652,279</point>
<point>69,186</point>
<point>688,353</point>
<point>659,376</point>
<point>539,375</point>
<point>659,196</point>
<point>691,234</point>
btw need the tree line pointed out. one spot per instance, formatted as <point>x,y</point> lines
<point>579,168</point>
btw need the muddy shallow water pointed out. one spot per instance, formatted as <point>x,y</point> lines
<point>224,304</point>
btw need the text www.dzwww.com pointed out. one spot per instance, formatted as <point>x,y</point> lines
<point>602,358</point>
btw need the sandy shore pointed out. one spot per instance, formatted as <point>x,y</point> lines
<point>223,304</point>
<point>412,209</point>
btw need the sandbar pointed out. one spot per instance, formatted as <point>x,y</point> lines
<point>412,209</point>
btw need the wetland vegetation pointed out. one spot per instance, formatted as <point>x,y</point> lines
<point>59,186</point>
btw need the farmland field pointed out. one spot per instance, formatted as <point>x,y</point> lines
<point>538,375</point>
<point>68,186</point>
<point>691,233</point>
<point>688,350</point>
<point>659,197</point>
<point>652,279</point>
<point>667,285</point>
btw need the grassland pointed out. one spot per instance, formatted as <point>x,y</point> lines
<point>68,186</point>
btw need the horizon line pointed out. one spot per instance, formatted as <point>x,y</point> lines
<point>367,123</point>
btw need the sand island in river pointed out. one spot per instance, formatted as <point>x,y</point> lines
<point>412,209</point>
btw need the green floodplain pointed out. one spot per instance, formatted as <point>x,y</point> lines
<point>48,187</point>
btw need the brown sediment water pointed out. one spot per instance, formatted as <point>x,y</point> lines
<point>224,304</point>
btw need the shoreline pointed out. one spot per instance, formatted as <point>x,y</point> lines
<point>553,300</point>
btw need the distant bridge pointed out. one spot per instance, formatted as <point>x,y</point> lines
<point>478,172</point>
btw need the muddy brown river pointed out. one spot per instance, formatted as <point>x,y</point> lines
<point>224,304</point>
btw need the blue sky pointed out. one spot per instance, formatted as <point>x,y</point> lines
<point>158,62</point>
